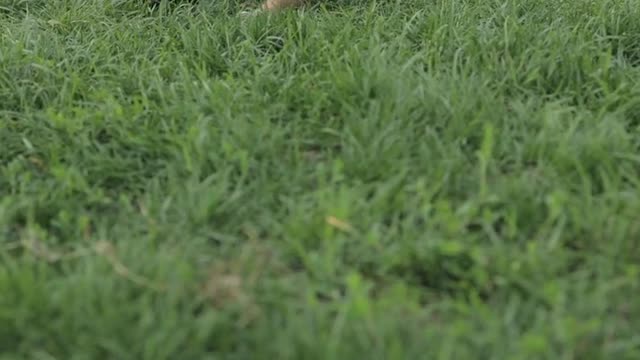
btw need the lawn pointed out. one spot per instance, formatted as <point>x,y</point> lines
<point>363,179</point>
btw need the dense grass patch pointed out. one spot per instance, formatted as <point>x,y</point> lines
<point>421,179</point>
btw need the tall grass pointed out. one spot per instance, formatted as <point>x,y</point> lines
<point>358,179</point>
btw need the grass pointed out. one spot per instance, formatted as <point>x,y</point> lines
<point>414,179</point>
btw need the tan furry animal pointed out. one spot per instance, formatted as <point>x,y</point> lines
<point>274,5</point>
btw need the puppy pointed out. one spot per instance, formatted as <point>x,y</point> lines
<point>275,5</point>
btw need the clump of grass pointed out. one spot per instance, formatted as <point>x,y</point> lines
<point>355,179</point>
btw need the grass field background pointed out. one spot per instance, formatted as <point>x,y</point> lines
<point>413,179</point>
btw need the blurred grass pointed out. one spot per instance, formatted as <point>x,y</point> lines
<point>391,180</point>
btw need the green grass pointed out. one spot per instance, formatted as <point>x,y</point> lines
<point>415,179</point>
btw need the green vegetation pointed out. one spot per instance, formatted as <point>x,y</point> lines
<point>414,179</point>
